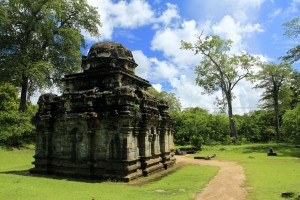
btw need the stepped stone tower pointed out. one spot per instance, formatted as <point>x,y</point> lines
<point>105,124</point>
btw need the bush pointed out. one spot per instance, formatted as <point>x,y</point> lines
<point>196,141</point>
<point>197,126</point>
<point>15,128</point>
<point>227,140</point>
<point>291,125</point>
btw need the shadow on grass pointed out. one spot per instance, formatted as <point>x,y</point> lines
<point>282,149</point>
<point>141,181</point>
<point>56,177</point>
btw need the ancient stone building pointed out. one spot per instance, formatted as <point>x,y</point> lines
<point>104,124</point>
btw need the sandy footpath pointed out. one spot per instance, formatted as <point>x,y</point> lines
<point>226,185</point>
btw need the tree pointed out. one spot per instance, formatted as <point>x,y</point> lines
<point>291,124</point>
<point>8,97</point>
<point>40,41</point>
<point>219,70</point>
<point>295,88</point>
<point>196,126</point>
<point>292,30</point>
<point>191,127</point>
<point>256,126</point>
<point>273,78</point>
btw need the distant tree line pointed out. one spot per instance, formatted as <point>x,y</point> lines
<point>197,126</point>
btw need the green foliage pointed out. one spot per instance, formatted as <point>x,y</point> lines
<point>175,186</point>
<point>197,141</point>
<point>15,128</point>
<point>292,30</point>
<point>40,41</point>
<point>275,78</point>
<point>291,124</point>
<point>256,126</point>
<point>195,126</point>
<point>8,97</point>
<point>295,89</point>
<point>220,132</point>
<point>286,98</point>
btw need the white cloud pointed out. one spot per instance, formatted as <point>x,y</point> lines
<point>122,14</point>
<point>168,15</point>
<point>144,64</point>
<point>191,95</point>
<point>157,87</point>
<point>168,40</point>
<point>245,10</point>
<point>130,14</point>
<point>244,100</point>
<point>228,28</point>
<point>154,69</point>
<point>163,70</point>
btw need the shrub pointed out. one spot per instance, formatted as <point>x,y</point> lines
<point>15,128</point>
<point>196,141</point>
<point>291,124</point>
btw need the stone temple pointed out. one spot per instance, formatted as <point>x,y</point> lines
<point>105,124</point>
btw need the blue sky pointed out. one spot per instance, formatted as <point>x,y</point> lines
<point>152,30</point>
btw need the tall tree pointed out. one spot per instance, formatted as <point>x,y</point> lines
<point>292,30</point>
<point>220,70</point>
<point>40,41</point>
<point>274,79</point>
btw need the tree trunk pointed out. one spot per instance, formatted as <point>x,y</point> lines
<point>276,110</point>
<point>23,101</point>
<point>230,116</point>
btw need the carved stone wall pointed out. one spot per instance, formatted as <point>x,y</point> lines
<point>104,124</point>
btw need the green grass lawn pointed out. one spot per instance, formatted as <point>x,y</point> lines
<point>183,184</point>
<point>267,176</point>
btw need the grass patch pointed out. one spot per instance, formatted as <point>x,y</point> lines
<point>182,184</point>
<point>267,177</point>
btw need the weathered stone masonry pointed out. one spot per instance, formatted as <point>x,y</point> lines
<point>104,124</point>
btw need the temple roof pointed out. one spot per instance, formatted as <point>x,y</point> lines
<point>112,50</point>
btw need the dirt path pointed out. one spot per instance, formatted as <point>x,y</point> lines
<point>226,185</point>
